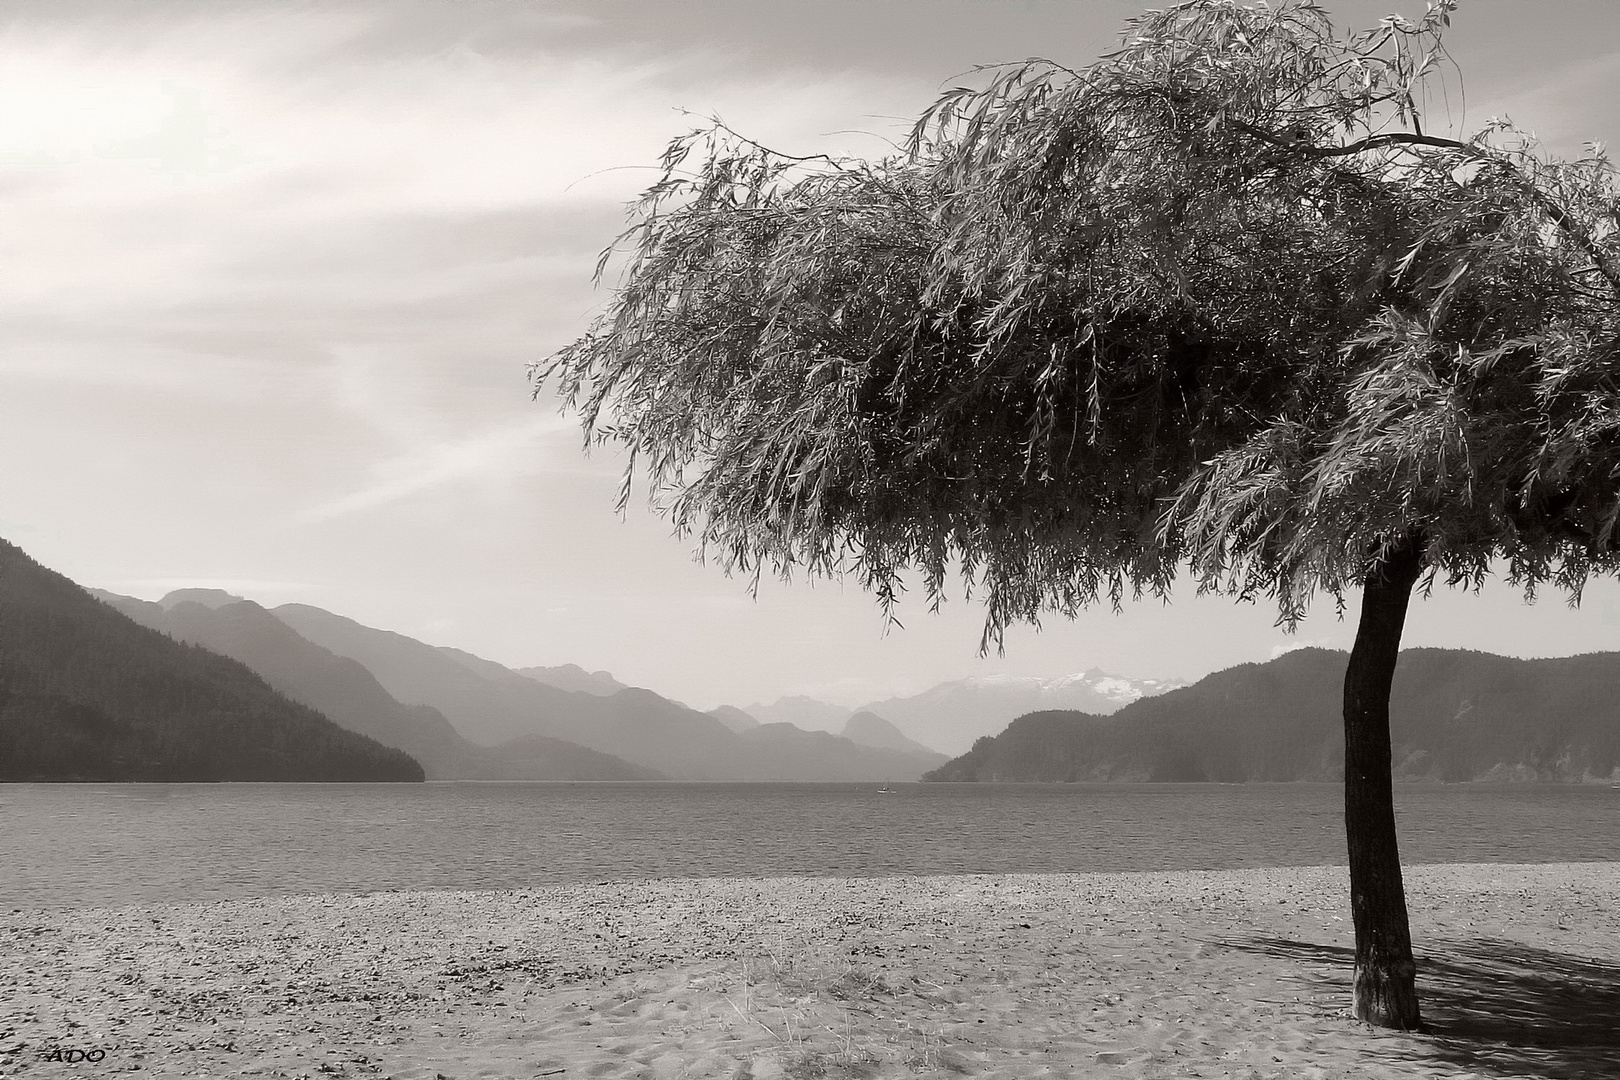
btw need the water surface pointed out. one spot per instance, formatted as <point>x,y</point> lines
<point>67,845</point>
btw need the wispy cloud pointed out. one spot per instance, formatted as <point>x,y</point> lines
<point>492,458</point>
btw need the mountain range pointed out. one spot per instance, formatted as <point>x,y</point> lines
<point>206,685</point>
<point>574,677</point>
<point>465,717</point>
<point>489,704</point>
<point>1455,715</point>
<point>349,694</point>
<point>951,716</point>
<point>86,694</point>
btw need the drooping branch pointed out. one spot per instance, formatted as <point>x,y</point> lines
<point>1006,349</point>
<point>1566,223</point>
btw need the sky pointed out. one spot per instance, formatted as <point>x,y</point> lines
<point>273,274</point>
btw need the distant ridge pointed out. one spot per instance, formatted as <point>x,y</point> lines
<point>870,729</point>
<point>208,598</point>
<point>491,704</point>
<point>791,745</point>
<point>952,715</point>
<point>800,711</point>
<point>346,692</point>
<point>1455,716</point>
<point>86,694</point>
<point>734,718</point>
<point>574,677</point>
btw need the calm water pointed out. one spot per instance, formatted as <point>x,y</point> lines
<point>93,844</point>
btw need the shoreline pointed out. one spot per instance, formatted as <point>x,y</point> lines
<point>1144,974</point>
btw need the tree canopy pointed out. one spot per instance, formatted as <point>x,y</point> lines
<point>1218,300</point>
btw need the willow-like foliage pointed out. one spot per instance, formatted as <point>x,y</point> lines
<point>1216,301</point>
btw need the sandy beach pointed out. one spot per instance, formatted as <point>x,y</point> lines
<point>1197,974</point>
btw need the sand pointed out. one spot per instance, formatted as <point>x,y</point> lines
<point>1204,974</point>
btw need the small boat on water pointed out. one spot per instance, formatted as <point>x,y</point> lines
<point>885,790</point>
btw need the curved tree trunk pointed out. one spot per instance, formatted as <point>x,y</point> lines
<point>1385,991</point>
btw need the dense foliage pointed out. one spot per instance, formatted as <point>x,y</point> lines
<point>86,694</point>
<point>1216,300</point>
<point>1454,716</point>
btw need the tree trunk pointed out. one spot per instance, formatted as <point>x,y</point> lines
<point>1385,991</point>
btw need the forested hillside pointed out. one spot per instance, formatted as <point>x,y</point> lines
<point>87,694</point>
<point>1454,716</point>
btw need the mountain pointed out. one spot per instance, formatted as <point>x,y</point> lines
<point>539,757</point>
<point>795,754</point>
<point>569,677</point>
<point>870,729</point>
<point>88,694</point>
<point>801,711</point>
<point>734,718</point>
<point>340,689</point>
<point>346,692</point>
<point>489,703</point>
<point>574,677</point>
<point>468,690</point>
<point>952,715</point>
<point>208,598</point>
<point>1454,716</point>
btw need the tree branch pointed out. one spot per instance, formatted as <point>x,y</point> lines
<point>719,124</point>
<point>1560,217</point>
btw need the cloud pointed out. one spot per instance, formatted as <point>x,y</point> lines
<point>241,101</point>
<point>131,365</point>
<point>217,205</point>
<point>491,458</point>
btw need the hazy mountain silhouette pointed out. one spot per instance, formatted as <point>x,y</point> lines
<point>569,677</point>
<point>346,692</point>
<point>574,677</point>
<point>795,754</point>
<point>489,703</point>
<point>339,688</point>
<point>540,757</point>
<point>952,715</point>
<point>801,711</point>
<point>208,598</point>
<point>88,694</point>
<point>870,729</point>
<point>734,718</point>
<point>1454,716</point>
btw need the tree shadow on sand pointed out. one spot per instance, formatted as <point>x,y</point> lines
<point>1497,1007</point>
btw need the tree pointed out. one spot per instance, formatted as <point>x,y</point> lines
<point>1217,302</point>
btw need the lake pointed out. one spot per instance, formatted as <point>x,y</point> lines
<point>71,845</point>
